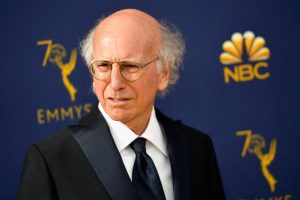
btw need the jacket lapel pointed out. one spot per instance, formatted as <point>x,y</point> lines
<point>93,136</point>
<point>177,149</point>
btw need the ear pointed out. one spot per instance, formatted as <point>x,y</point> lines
<point>163,79</point>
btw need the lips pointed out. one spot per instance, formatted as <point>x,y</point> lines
<point>118,99</point>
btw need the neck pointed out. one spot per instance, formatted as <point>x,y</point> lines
<point>139,125</point>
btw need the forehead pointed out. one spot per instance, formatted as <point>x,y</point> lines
<point>124,38</point>
<point>111,47</point>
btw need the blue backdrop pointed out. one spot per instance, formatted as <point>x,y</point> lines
<point>239,83</point>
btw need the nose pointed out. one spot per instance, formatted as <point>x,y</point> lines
<point>117,82</point>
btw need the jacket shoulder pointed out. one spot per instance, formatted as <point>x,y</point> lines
<point>178,125</point>
<point>59,139</point>
<point>198,142</point>
<point>59,146</point>
<point>194,134</point>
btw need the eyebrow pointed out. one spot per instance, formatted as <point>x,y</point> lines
<point>123,60</point>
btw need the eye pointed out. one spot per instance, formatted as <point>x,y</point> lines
<point>102,66</point>
<point>130,67</point>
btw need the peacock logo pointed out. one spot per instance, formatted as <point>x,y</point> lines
<point>243,57</point>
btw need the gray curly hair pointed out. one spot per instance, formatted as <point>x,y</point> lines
<point>170,54</point>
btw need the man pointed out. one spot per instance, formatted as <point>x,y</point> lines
<point>124,148</point>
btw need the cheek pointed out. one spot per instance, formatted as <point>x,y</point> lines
<point>147,89</point>
<point>99,89</point>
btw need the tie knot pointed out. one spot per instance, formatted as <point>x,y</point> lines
<point>138,145</point>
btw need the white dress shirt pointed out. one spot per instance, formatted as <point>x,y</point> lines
<point>156,148</point>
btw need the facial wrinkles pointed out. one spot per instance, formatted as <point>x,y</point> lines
<point>125,37</point>
<point>117,49</point>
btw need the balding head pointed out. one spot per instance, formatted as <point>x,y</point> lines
<point>161,38</point>
<point>125,31</point>
<point>145,23</point>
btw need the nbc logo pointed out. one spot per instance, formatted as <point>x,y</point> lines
<point>242,67</point>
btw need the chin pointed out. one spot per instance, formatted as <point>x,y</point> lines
<point>119,115</point>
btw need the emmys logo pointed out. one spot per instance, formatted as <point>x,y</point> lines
<point>255,144</point>
<point>55,53</point>
<point>233,57</point>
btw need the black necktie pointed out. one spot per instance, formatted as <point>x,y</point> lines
<point>145,178</point>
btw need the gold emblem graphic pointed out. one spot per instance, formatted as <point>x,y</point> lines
<point>234,48</point>
<point>234,55</point>
<point>55,54</point>
<point>254,144</point>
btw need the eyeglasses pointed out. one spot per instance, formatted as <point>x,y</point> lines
<point>130,71</point>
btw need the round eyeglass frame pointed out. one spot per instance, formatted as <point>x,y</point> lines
<point>91,68</point>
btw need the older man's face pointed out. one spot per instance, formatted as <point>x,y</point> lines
<point>120,39</point>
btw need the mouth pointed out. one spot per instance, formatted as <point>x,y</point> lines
<point>118,100</point>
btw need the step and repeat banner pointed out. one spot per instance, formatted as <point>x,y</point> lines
<point>239,83</point>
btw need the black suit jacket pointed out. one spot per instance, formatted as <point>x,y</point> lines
<point>82,162</point>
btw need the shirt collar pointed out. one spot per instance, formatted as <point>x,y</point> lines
<point>123,136</point>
